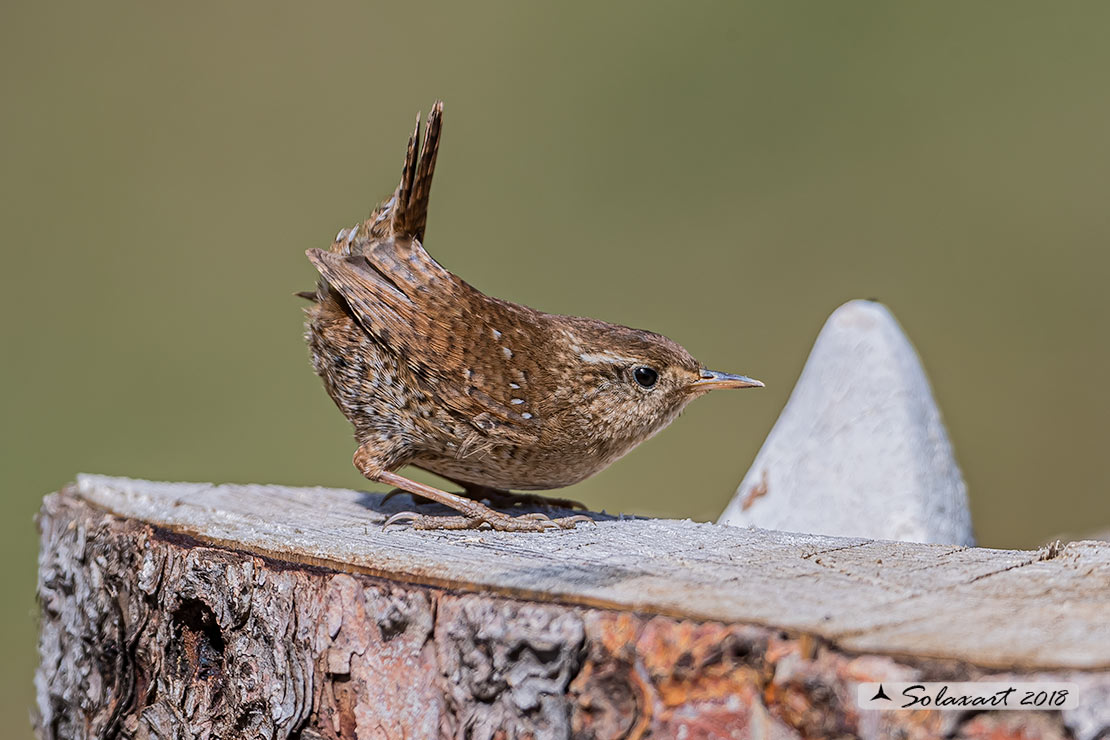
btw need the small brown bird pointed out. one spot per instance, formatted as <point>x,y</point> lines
<point>489,394</point>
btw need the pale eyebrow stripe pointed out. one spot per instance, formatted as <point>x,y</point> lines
<point>606,357</point>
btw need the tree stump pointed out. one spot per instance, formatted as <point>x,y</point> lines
<point>172,610</point>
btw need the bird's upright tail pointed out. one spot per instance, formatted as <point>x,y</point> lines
<point>394,233</point>
<point>410,213</point>
<point>404,215</point>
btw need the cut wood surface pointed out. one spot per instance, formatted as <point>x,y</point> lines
<point>196,610</point>
<point>1002,608</point>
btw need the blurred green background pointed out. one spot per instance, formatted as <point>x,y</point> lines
<point>726,174</point>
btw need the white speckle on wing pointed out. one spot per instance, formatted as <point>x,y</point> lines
<point>496,334</point>
<point>385,209</point>
<point>341,235</point>
<point>517,401</point>
<point>514,386</point>
<point>507,352</point>
<point>352,233</point>
<point>526,415</point>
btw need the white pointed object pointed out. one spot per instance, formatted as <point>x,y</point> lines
<point>860,449</point>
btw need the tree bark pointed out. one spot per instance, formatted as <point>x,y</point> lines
<point>195,611</point>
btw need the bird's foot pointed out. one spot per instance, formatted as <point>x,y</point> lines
<point>495,520</point>
<point>472,514</point>
<point>504,499</point>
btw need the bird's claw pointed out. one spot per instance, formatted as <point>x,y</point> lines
<point>400,516</point>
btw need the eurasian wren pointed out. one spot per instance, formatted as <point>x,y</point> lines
<point>486,393</point>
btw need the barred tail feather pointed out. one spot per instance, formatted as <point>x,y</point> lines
<point>410,211</point>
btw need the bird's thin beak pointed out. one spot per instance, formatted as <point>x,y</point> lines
<point>711,381</point>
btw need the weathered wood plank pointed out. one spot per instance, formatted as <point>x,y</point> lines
<point>999,608</point>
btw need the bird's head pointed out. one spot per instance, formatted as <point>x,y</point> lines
<point>633,382</point>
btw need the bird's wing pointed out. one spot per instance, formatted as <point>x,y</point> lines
<point>439,327</point>
<point>435,323</point>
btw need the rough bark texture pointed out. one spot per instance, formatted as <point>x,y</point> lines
<point>153,632</point>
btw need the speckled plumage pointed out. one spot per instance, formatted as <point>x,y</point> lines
<point>488,393</point>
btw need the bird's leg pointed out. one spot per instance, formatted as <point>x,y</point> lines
<point>474,514</point>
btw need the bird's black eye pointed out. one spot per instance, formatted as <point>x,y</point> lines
<point>645,376</point>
